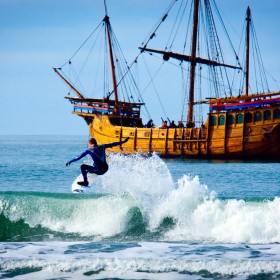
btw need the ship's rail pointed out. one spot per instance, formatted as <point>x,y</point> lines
<point>103,106</point>
<point>244,105</point>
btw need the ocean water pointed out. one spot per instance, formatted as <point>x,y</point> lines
<point>146,218</point>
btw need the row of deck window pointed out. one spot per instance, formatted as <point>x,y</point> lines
<point>249,117</point>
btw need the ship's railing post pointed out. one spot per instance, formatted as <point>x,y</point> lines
<point>225,135</point>
<point>135,139</point>
<point>243,131</point>
<point>198,142</point>
<point>166,140</point>
<point>150,140</point>
<point>208,133</point>
<point>120,137</point>
<point>174,139</point>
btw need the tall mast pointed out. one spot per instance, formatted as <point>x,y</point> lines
<point>107,22</point>
<point>193,61</point>
<point>248,18</point>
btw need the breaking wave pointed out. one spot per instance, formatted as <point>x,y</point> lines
<point>138,200</point>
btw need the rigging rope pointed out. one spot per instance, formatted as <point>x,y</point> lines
<point>151,36</point>
<point>155,88</point>
<point>82,44</point>
<point>259,59</point>
<point>225,30</point>
<point>174,25</point>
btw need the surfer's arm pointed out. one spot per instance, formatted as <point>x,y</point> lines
<point>77,158</point>
<point>110,145</point>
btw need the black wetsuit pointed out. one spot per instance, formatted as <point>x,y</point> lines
<point>98,156</point>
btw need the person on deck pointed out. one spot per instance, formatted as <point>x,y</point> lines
<point>98,155</point>
<point>173,125</point>
<point>180,124</point>
<point>164,125</point>
<point>190,125</point>
<point>150,124</point>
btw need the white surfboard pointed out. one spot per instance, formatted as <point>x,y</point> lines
<point>76,188</point>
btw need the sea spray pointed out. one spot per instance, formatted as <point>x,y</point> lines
<point>181,202</point>
<point>146,179</point>
<point>138,174</point>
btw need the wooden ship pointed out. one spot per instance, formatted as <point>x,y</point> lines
<point>245,126</point>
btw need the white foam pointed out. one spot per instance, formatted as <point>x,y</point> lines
<point>209,219</point>
<point>64,265</point>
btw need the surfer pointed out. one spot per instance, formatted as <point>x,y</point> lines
<point>98,155</point>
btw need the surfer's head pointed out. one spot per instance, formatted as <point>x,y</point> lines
<point>92,142</point>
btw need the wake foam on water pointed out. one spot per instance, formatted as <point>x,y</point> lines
<point>143,260</point>
<point>141,269</point>
<point>138,197</point>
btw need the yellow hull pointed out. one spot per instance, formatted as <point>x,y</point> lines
<point>224,135</point>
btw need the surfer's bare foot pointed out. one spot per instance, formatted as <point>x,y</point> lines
<point>83,183</point>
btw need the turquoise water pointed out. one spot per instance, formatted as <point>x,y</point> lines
<point>146,218</point>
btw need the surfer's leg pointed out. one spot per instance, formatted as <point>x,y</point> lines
<point>84,170</point>
<point>87,169</point>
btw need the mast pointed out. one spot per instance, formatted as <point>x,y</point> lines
<point>193,62</point>
<point>248,19</point>
<point>107,22</point>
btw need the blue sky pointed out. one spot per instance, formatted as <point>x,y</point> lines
<point>37,35</point>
